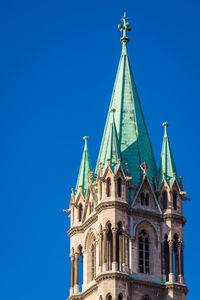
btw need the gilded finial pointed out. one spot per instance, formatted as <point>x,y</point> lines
<point>124,28</point>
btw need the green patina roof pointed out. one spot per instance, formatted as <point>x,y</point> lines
<point>84,171</point>
<point>167,164</point>
<point>131,130</point>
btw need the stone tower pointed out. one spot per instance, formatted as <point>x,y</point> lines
<point>126,234</point>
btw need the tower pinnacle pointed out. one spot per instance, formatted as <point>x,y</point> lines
<point>124,28</point>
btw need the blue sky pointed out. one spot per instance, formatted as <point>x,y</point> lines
<point>58,64</point>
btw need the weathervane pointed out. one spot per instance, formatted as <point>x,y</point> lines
<point>124,28</point>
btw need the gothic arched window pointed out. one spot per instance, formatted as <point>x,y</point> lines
<point>164,200</point>
<point>144,253</point>
<point>147,200</point>
<point>108,187</point>
<point>119,187</point>
<point>120,297</point>
<point>142,198</point>
<point>80,212</point>
<point>175,200</point>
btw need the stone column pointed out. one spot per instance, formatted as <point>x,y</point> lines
<point>171,273</point>
<point>123,248</point>
<point>114,263</point>
<point>180,260</point>
<point>105,249</point>
<point>100,249</point>
<point>72,271</point>
<point>126,249</point>
<point>72,275</point>
<point>76,286</point>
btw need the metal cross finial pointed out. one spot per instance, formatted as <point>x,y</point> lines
<point>124,28</point>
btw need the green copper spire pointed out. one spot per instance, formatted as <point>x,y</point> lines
<point>85,169</point>
<point>167,167</point>
<point>133,137</point>
<point>112,152</point>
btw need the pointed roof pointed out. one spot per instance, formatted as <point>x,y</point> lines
<point>134,141</point>
<point>112,152</point>
<point>167,165</point>
<point>85,169</point>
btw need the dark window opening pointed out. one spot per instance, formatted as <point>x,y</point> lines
<point>175,200</point>
<point>142,198</point>
<point>108,187</point>
<point>164,200</point>
<point>119,187</point>
<point>147,200</point>
<point>80,212</point>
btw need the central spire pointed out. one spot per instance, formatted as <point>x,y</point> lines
<point>132,133</point>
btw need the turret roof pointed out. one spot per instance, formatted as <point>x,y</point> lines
<point>167,165</point>
<point>85,169</point>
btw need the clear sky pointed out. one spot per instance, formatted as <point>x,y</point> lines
<point>58,61</point>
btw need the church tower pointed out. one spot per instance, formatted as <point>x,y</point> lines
<point>126,233</point>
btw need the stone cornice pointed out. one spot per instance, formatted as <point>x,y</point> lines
<point>84,226</point>
<point>146,213</point>
<point>81,296</point>
<point>130,279</point>
<point>171,216</point>
<point>177,286</point>
<point>110,204</point>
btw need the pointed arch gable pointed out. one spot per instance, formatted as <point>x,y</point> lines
<point>175,185</point>
<point>119,172</point>
<point>107,171</point>
<point>146,181</point>
<point>164,185</point>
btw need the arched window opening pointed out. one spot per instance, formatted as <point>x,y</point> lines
<point>80,212</point>
<point>176,260</point>
<point>80,268</point>
<point>147,200</point>
<point>144,253</point>
<point>109,297</point>
<point>119,187</point>
<point>166,258</point>
<point>109,247</point>
<point>108,187</point>
<point>175,200</point>
<point>142,198</point>
<point>100,298</point>
<point>164,200</point>
<point>90,209</point>
<point>120,297</point>
<point>119,247</point>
